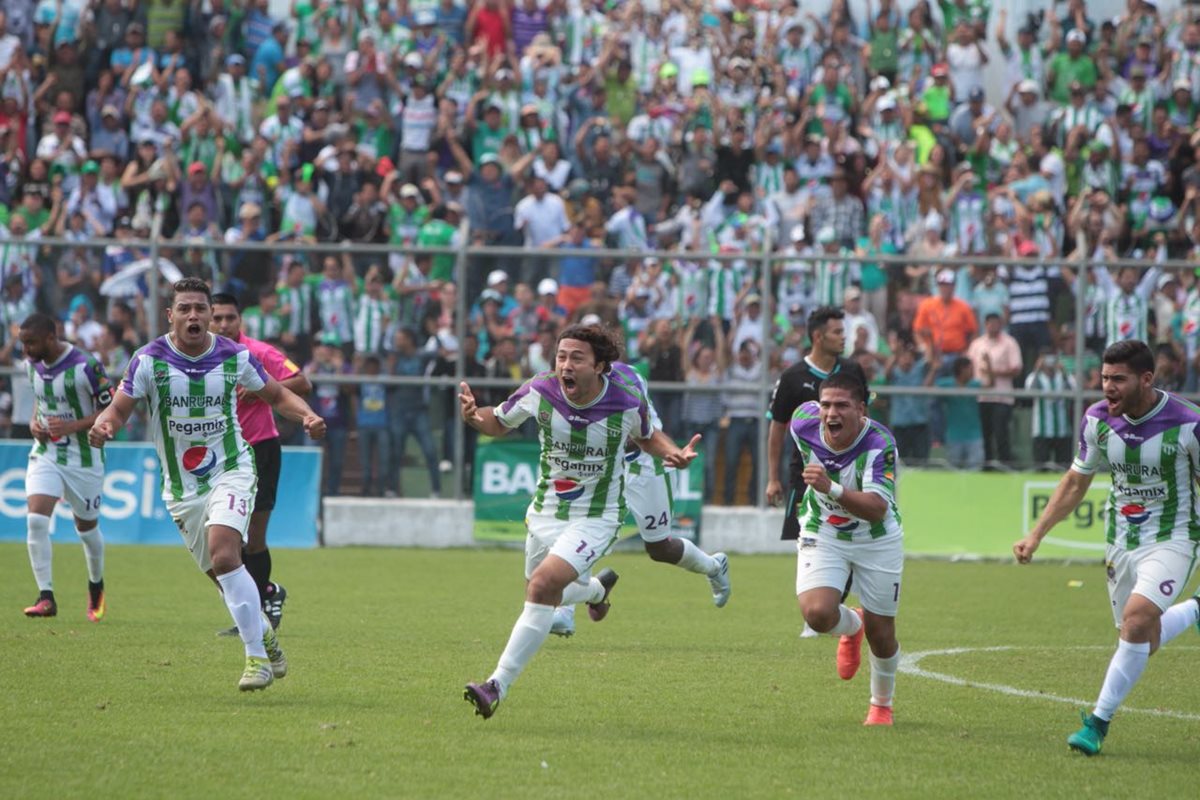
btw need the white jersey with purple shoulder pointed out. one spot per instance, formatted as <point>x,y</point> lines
<point>192,406</point>
<point>581,471</point>
<point>637,460</point>
<point>1155,462</point>
<point>867,465</point>
<point>72,388</point>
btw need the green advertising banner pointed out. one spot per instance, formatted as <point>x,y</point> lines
<point>506,474</point>
<point>982,514</point>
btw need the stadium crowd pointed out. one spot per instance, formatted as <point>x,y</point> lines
<point>731,128</point>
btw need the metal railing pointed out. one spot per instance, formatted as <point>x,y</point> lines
<point>466,264</point>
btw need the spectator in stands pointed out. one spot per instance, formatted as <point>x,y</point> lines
<point>408,408</point>
<point>996,359</point>
<point>963,431</point>
<point>371,424</point>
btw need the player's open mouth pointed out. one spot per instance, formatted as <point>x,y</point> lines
<point>833,426</point>
<point>568,383</point>
<point>194,329</point>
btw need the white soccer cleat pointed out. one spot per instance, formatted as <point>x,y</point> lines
<point>721,588</point>
<point>564,621</point>
<point>279,664</point>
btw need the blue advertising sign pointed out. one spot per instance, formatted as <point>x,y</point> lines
<point>133,511</point>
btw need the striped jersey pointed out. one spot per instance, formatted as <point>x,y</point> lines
<point>371,320</point>
<point>868,465</point>
<point>298,301</point>
<point>832,279</point>
<point>1126,316</point>
<point>1154,462</point>
<point>581,466</point>
<point>335,305</point>
<point>1051,415</point>
<point>74,387</point>
<point>637,460</point>
<point>192,409</point>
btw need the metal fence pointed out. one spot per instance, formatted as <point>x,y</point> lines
<point>471,264</point>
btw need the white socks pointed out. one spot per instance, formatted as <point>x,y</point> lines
<point>531,630</point>
<point>579,592</point>
<point>696,560</point>
<point>883,678</point>
<point>241,597</point>
<point>1123,672</point>
<point>848,624</point>
<point>37,538</point>
<point>93,553</point>
<point>1177,619</point>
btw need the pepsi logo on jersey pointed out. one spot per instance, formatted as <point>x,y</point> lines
<point>199,460</point>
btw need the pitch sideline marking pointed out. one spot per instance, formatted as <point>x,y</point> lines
<point>910,664</point>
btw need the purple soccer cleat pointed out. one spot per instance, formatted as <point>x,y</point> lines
<point>484,696</point>
<point>608,579</point>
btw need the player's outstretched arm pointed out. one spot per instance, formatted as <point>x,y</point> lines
<point>662,446</point>
<point>1067,495</point>
<point>291,406</point>
<point>111,419</point>
<point>481,419</point>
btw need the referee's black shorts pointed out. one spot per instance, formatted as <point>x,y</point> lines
<point>268,458</point>
<point>791,512</point>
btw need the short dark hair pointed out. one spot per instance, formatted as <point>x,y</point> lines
<point>187,285</point>
<point>226,299</point>
<point>818,318</point>
<point>1133,353</point>
<point>605,343</point>
<point>846,381</point>
<point>40,324</point>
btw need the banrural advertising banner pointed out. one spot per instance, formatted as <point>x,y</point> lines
<point>506,477</point>
<point>132,510</point>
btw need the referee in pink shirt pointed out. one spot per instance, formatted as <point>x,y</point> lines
<point>258,426</point>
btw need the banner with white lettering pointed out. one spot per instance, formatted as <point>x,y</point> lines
<point>132,510</point>
<point>506,474</point>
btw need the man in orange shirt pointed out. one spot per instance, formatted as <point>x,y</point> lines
<point>945,324</point>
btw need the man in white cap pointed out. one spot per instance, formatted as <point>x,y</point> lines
<point>859,323</point>
<point>1069,67</point>
<point>832,277</point>
<point>1027,108</point>
<point>796,285</point>
<point>497,282</point>
<point>1026,61</point>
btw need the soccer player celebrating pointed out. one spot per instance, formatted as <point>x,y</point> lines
<point>849,521</point>
<point>1148,438</point>
<point>797,385</point>
<point>69,388</point>
<point>189,379</point>
<point>648,496</point>
<point>584,419</point>
<point>258,426</point>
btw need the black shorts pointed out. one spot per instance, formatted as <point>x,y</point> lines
<point>268,458</point>
<point>791,512</point>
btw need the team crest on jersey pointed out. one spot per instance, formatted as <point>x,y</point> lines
<point>1135,513</point>
<point>199,460</point>
<point>1111,570</point>
<point>543,417</point>
<point>567,489</point>
<point>162,373</point>
<point>843,524</point>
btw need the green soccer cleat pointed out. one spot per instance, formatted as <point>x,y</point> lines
<point>257,674</point>
<point>279,665</point>
<point>1090,738</point>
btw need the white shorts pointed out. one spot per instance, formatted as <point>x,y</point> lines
<point>649,499</point>
<point>823,562</point>
<point>579,542</point>
<point>1158,572</point>
<point>81,487</point>
<point>229,503</point>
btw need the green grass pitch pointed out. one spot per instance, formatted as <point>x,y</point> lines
<point>668,697</point>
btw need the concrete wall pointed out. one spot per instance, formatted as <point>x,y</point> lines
<point>446,523</point>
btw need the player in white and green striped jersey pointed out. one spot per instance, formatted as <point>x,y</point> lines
<point>69,390</point>
<point>1051,420</point>
<point>374,313</point>
<point>1149,440</point>
<point>190,381</point>
<point>584,418</point>
<point>649,498</point>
